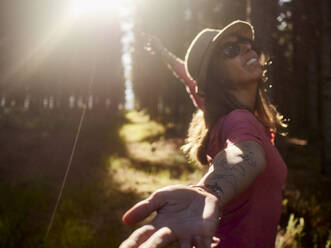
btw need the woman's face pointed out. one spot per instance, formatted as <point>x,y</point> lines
<point>243,68</point>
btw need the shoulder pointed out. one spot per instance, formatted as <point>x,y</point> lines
<point>240,118</point>
<point>237,126</point>
<point>242,125</point>
<point>236,119</point>
<point>239,115</point>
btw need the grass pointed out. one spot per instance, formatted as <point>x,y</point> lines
<point>17,209</point>
<point>306,195</point>
<point>117,164</point>
<point>140,128</point>
<point>151,162</point>
<point>291,236</point>
<point>145,182</point>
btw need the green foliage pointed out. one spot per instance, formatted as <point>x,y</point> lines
<point>26,205</point>
<point>315,212</point>
<point>328,242</point>
<point>70,229</point>
<point>75,234</point>
<point>21,208</point>
<point>25,213</point>
<point>292,235</point>
<point>90,211</point>
<point>152,161</point>
<point>140,128</point>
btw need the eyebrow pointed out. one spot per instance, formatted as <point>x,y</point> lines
<point>227,40</point>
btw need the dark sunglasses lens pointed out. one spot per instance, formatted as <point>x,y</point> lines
<point>232,50</point>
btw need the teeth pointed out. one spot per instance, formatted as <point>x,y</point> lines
<point>251,61</point>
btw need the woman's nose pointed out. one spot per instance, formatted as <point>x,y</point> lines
<point>246,47</point>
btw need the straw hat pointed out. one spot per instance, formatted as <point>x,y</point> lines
<point>202,47</point>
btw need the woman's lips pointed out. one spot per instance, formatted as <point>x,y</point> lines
<point>251,61</point>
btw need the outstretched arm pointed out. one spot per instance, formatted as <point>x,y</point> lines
<point>190,214</point>
<point>176,65</point>
<point>234,170</point>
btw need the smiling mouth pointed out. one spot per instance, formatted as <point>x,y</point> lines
<point>251,61</point>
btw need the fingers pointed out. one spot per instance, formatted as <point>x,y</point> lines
<point>159,239</point>
<point>143,209</point>
<point>148,40</point>
<point>138,237</point>
<point>152,43</point>
<point>137,213</point>
<point>215,242</point>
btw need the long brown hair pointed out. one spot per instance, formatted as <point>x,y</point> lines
<point>218,102</point>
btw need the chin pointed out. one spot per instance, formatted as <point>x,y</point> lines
<point>252,77</point>
<point>257,74</point>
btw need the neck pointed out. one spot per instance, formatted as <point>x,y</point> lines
<point>246,95</point>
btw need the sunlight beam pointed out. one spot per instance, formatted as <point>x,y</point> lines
<point>86,7</point>
<point>29,63</point>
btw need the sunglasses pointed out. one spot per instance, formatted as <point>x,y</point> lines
<point>232,49</point>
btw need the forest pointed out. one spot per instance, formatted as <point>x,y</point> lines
<point>91,122</point>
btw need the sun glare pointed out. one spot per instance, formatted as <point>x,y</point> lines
<point>87,7</point>
<point>28,63</point>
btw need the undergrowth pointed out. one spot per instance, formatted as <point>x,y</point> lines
<point>128,162</point>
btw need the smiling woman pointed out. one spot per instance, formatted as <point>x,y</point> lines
<point>239,198</point>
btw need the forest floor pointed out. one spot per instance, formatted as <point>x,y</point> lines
<point>120,160</point>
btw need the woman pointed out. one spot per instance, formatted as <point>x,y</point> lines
<point>239,199</point>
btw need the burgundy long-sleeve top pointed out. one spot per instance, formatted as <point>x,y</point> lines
<point>251,218</point>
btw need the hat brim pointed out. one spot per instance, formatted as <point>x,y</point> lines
<point>241,28</point>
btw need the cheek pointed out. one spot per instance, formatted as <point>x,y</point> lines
<point>234,71</point>
<point>255,71</point>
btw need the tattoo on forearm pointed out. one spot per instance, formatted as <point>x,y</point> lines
<point>220,160</point>
<point>248,158</point>
<point>215,182</point>
<point>216,189</point>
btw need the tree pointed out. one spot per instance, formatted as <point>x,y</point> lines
<point>326,84</point>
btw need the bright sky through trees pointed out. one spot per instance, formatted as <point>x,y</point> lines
<point>84,8</point>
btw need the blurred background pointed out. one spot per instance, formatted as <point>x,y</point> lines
<point>79,93</point>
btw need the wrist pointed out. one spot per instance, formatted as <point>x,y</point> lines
<point>204,189</point>
<point>164,51</point>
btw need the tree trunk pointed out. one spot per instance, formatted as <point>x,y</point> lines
<point>300,35</point>
<point>313,62</point>
<point>313,90</point>
<point>326,85</point>
<point>263,16</point>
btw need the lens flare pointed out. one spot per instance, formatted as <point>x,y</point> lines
<point>87,7</point>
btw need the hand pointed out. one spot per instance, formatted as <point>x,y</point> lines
<point>152,43</point>
<point>188,215</point>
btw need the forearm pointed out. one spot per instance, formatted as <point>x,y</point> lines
<point>234,170</point>
<point>177,66</point>
<point>169,58</point>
